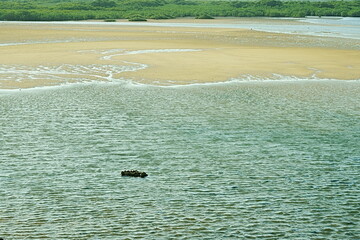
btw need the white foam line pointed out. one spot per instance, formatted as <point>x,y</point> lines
<point>130,83</point>
<point>282,78</point>
<point>112,51</point>
<point>109,57</point>
<point>250,80</point>
<point>62,85</point>
<point>159,51</point>
<point>65,74</point>
<point>35,42</point>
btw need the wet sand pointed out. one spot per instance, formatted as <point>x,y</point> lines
<point>209,54</point>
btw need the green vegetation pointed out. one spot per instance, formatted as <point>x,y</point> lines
<point>204,17</point>
<point>137,18</point>
<point>140,10</point>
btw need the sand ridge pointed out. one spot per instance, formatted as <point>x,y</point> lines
<point>161,55</point>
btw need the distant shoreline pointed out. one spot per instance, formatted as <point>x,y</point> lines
<point>339,27</point>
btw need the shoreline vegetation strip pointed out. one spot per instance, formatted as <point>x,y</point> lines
<point>140,10</point>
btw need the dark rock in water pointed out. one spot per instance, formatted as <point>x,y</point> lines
<point>133,173</point>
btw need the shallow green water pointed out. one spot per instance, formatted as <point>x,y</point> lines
<point>250,160</point>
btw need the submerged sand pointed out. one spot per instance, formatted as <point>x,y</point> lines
<point>166,55</point>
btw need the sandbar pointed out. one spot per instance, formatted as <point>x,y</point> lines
<point>31,54</point>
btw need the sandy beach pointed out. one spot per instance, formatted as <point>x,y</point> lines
<point>165,55</point>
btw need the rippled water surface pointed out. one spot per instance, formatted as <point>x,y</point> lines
<point>247,160</point>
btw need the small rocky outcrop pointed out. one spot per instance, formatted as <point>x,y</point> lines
<point>133,173</point>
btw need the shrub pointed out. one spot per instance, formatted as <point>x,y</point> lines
<point>137,18</point>
<point>205,16</point>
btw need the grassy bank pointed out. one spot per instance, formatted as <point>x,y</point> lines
<point>62,10</point>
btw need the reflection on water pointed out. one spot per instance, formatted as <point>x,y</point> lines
<point>262,160</point>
